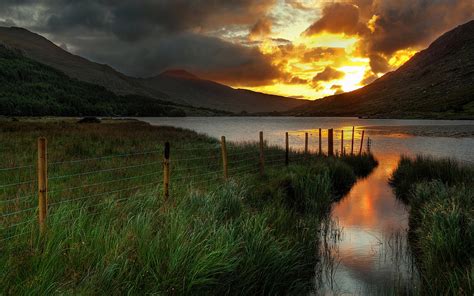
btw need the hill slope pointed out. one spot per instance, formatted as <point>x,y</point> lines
<point>437,82</point>
<point>44,51</point>
<point>169,86</point>
<point>29,88</point>
<point>188,89</point>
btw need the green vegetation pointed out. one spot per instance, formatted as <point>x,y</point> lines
<point>29,88</point>
<point>441,198</point>
<point>250,235</point>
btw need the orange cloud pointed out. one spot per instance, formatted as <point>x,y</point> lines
<point>261,29</point>
<point>327,74</point>
<point>338,18</point>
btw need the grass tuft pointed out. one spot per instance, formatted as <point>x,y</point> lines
<point>441,199</point>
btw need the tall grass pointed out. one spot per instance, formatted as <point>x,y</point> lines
<point>441,198</point>
<point>250,235</point>
<point>426,168</point>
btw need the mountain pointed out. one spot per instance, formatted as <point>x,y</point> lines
<point>44,51</point>
<point>186,88</point>
<point>176,86</point>
<point>30,88</point>
<point>437,82</point>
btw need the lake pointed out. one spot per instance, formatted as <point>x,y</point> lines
<point>367,252</point>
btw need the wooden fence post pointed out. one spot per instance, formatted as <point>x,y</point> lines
<point>352,144</point>
<point>224,157</point>
<point>342,142</point>
<point>330,142</point>
<point>320,143</point>
<point>361,143</point>
<point>42,183</point>
<point>306,144</point>
<point>287,150</point>
<point>166,171</point>
<point>262,160</point>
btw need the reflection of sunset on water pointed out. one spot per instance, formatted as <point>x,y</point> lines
<point>370,216</point>
<point>365,249</point>
<point>371,201</point>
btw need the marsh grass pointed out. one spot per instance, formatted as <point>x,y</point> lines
<point>441,198</point>
<point>111,232</point>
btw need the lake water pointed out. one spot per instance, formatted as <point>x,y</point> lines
<point>367,252</point>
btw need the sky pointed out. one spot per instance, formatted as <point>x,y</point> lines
<point>305,49</point>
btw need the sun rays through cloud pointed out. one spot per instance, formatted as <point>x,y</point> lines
<point>307,49</point>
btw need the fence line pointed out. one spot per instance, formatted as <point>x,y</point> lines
<point>105,157</point>
<point>16,168</point>
<point>234,165</point>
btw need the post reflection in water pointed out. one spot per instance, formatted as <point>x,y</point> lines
<point>370,255</point>
<point>363,245</point>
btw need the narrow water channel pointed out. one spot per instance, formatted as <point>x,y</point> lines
<point>364,250</point>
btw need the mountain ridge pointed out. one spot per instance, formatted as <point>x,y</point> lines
<point>437,82</point>
<point>175,86</point>
<point>30,88</point>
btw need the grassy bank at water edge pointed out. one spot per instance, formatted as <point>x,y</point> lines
<point>440,193</point>
<point>109,229</point>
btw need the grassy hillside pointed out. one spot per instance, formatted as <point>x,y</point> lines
<point>29,88</point>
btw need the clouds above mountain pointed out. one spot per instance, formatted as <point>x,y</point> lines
<point>387,26</point>
<point>143,38</point>
<point>277,46</point>
<point>338,18</point>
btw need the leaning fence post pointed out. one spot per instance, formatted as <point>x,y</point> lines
<point>306,144</point>
<point>166,171</point>
<point>262,160</point>
<point>342,142</point>
<point>330,142</point>
<point>224,157</point>
<point>287,150</point>
<point>320,143</point>
<point>42,183</point>
<point>361,143</point>
<point>352,143</point>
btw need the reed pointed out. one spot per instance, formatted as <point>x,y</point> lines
<point>441,199</point>
<point>240,236</point>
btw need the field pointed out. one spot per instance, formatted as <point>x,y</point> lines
<point>110,230</point>
<point>441,199</point>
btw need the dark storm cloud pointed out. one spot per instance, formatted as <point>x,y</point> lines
<point>379,64</point>
<point>132,20</point>
<point>208,57</point>
<point>386,26</point>
<point>327,74</point>
<point>338,18</point>
<point>416,23</point>
<point>143,38</point>
<point>261,29</point>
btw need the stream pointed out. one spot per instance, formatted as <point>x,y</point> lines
<point>364,246</point>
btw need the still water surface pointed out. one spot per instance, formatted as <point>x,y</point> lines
<point>366,250</point>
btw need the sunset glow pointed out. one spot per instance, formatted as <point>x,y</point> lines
<point>306,49</point>
<point>301,57</point>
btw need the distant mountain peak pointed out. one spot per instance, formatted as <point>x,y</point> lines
<point>179,73</point>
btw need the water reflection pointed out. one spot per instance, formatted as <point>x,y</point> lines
<point>364,247</point>
<point>370,255</point>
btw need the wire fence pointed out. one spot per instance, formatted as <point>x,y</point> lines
<point>32,194</point>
